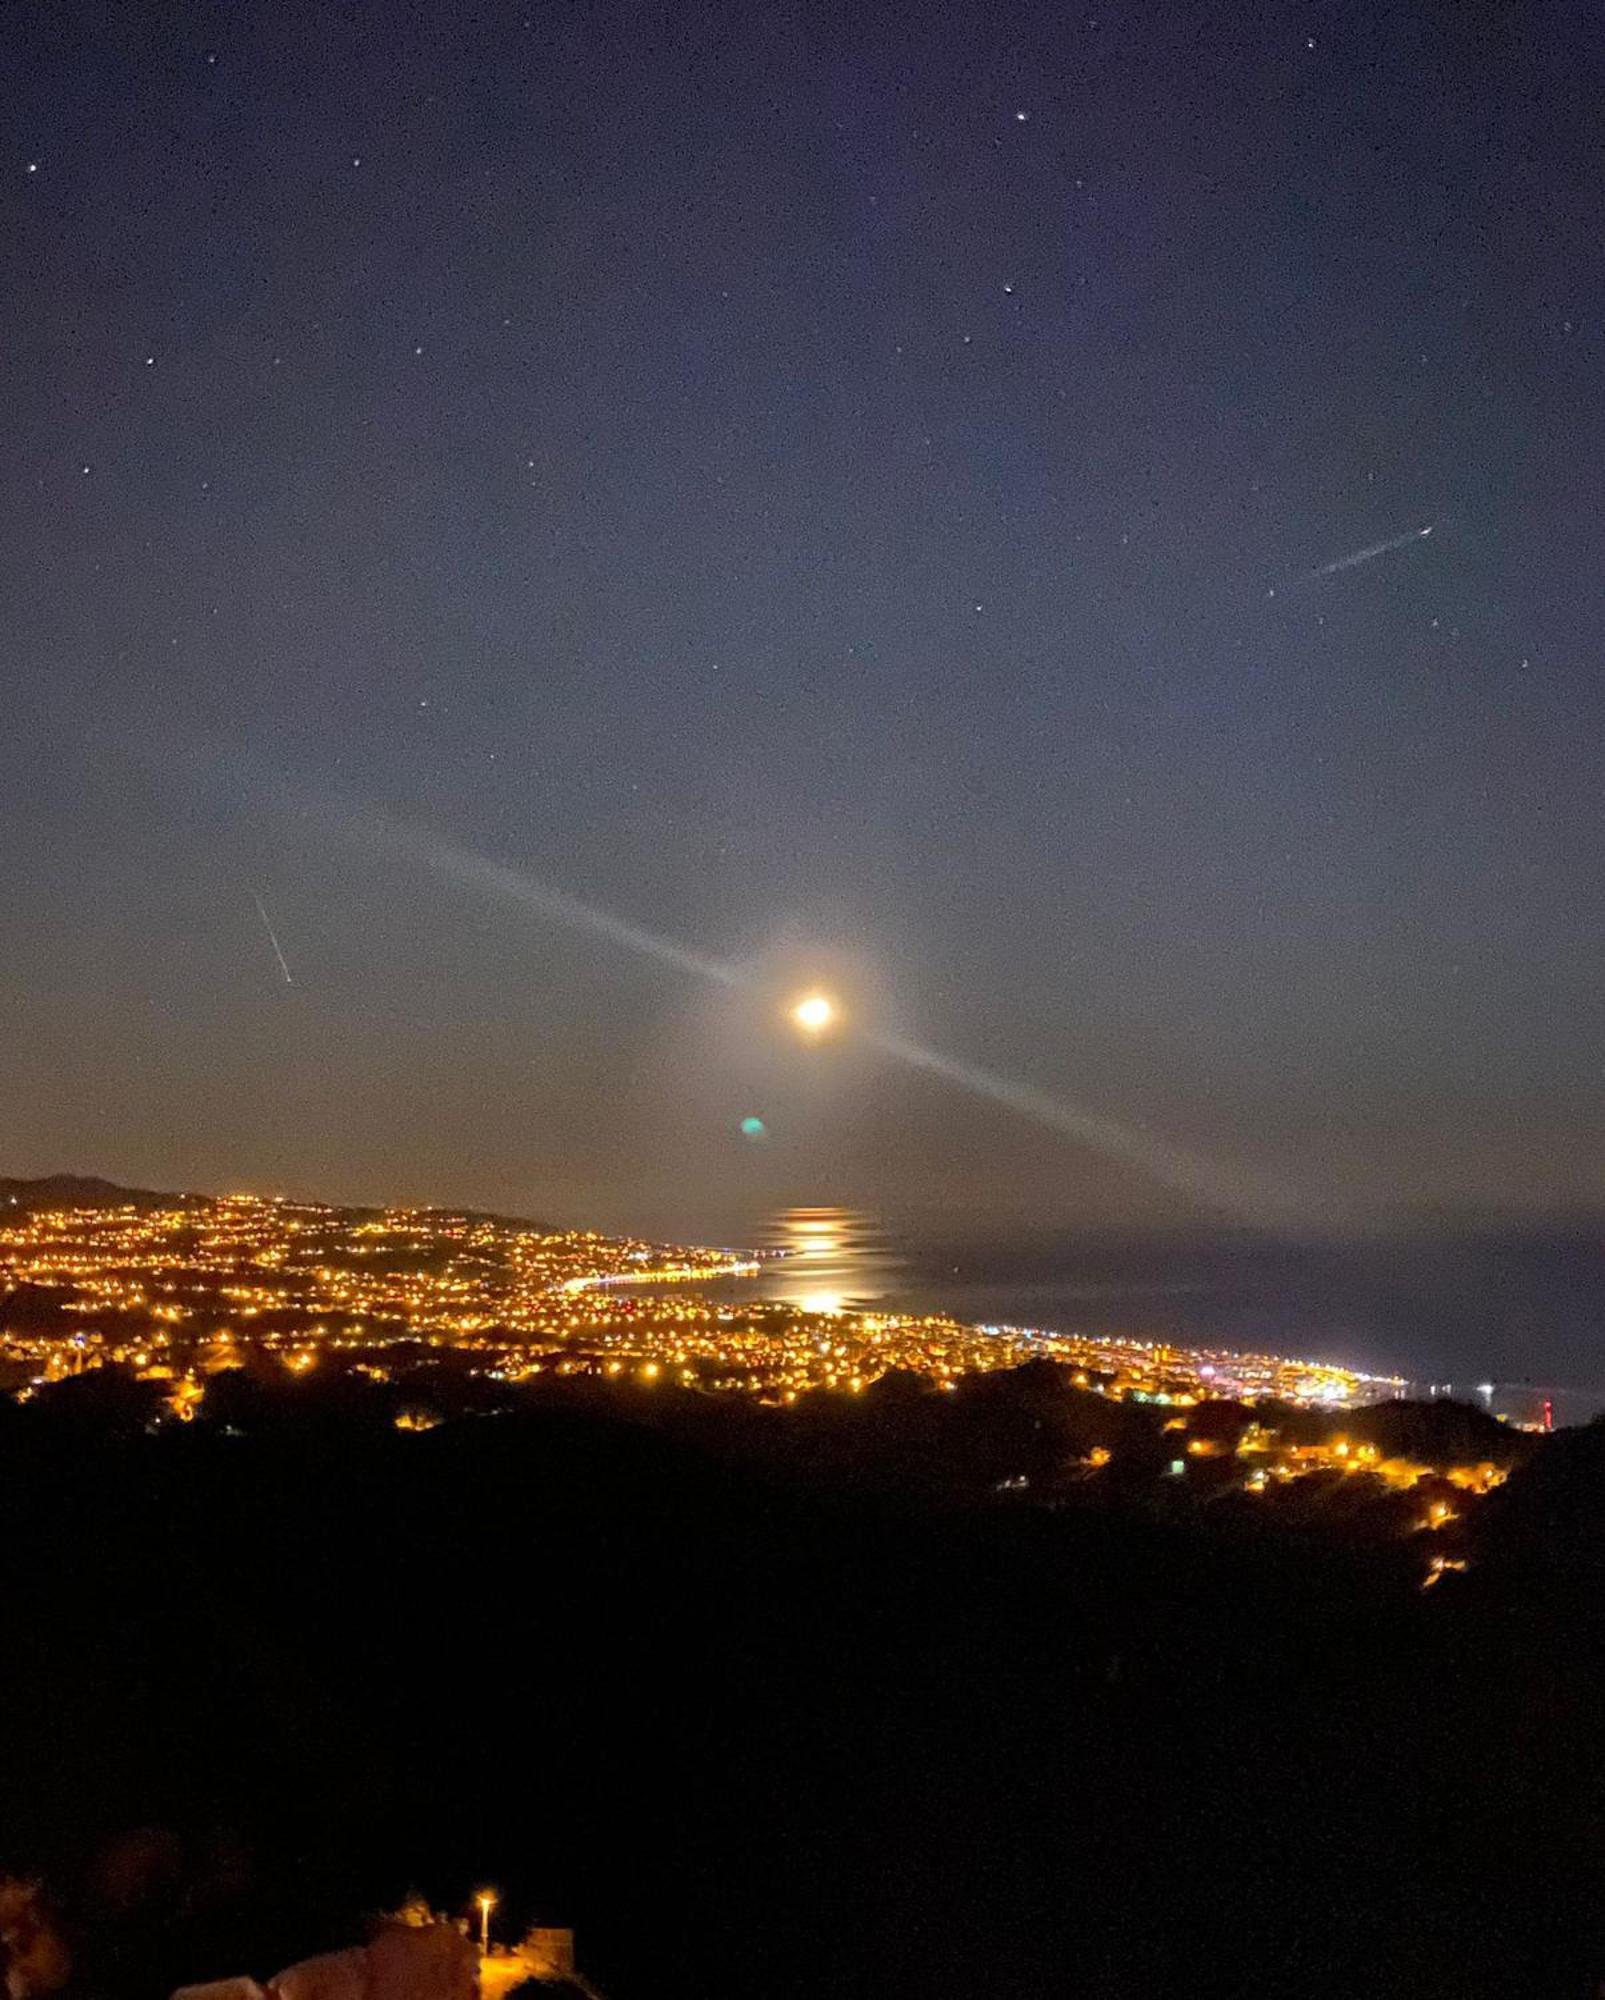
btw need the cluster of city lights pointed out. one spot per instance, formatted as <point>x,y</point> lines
<point>176,1292</point>
<point>183,1288</point>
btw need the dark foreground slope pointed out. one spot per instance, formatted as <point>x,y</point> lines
<point>755,1736</point>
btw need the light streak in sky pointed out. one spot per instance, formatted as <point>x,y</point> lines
<point>1185,1173</point>
<point>511,885</point>
<point>273,939</point>
<point>1370,554</point>
<point>1172,1166</point>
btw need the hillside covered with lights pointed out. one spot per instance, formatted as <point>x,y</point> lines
<point>754,1643</point>
<point>180,1287</point>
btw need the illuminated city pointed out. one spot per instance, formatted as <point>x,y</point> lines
<point>183,1288</point>
<point>176,1290</point>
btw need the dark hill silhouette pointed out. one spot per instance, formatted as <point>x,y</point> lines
<point>684,1674</point>
<point>1546,1526</point>
<point>80,1191</point>
<point>90,1191</point>
<point>1440,1433</point>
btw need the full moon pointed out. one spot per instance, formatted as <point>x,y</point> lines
<point>814,1013</point>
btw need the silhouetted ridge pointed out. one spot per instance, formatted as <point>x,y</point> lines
<point>80,1191</point>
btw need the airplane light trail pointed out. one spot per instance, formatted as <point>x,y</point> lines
<point>1171,1167</point>
<point>267,925</point>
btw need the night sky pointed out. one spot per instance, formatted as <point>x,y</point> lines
<point>843,489</point>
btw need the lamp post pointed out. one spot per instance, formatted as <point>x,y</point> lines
<point>486,1899</point>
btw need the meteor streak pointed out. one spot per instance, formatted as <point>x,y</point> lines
<point>267,925</point>
<point>1369,554</point>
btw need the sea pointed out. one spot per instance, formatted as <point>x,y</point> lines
<point>1512,1319</point>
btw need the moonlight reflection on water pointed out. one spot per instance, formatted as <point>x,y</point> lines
<point>833,1258</point>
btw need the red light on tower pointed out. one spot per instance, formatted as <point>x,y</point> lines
<point>1549,1414</point>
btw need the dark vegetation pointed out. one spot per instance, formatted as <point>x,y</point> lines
<point>774,1703</point>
